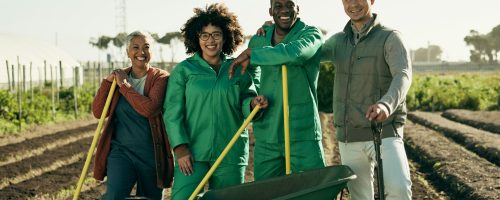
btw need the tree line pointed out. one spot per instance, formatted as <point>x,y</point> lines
<point>485,47</point>
<point>120,40</point>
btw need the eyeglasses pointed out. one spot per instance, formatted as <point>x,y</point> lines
<point>215,35</point>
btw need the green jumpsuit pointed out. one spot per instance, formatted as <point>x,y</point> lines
<point>204,110</point>
<point>299,50</point>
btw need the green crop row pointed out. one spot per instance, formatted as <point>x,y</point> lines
<point>432,92</point>
<point>38,108</point>
<point>472,91</point>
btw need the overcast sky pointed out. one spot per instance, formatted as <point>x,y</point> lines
<point>439,22</point>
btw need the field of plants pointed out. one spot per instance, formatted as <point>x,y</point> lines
<point>452,139</point>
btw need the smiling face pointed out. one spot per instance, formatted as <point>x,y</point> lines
<point>358,10</point>
<point>284,13</point>
<point>211,48</point>
<point>139,52</point>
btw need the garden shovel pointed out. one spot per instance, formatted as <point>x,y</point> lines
<point>286,116</point>
<point>377,141</point>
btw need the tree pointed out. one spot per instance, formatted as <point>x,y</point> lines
<point>119,40</point>
<point>482,46</point>
<point>495,37</point>
<point>172,39</point>
<point>101,43</point>
<point>429,54</point>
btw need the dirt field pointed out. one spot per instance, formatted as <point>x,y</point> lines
<point>449,159</point>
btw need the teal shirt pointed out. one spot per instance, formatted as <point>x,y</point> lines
<point>299,50</point>
<point>204,110</point>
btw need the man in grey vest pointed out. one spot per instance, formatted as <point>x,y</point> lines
<point>372,78</point>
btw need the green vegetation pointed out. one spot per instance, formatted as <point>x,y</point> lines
<point>429,92</point>
<point>472,91</point>
<point>325,87</point>
<point>38,109</point>
<point>459,91</point>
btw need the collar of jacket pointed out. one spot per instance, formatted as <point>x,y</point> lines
<point>299,25</point>
<point>375,25</point>
<point>129,69</point>
<point>198,58</point>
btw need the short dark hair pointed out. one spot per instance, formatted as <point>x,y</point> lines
<point>218,15</point>
<point>271,2</point>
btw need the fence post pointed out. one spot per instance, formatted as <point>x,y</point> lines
<point>8,75</point>
<point>13,79</point>
<point>75,90</point>
<point>31,80</point>
<point>40,80</point>
<point>52,90</point>
<point>56,84</point>
<point>99,73</point>
<point>45,72</point>
<point>19,94</point>
<point>94,86</point>
<point>24,78</point>
<point>61,76</point>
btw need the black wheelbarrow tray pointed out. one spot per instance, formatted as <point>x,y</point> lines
<point>318,184</point>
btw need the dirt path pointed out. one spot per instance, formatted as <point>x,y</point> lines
<point>45,162</point>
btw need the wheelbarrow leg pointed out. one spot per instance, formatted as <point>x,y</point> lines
<point>377,141</point>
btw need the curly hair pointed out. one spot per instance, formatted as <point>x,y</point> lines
<point>218,15</point>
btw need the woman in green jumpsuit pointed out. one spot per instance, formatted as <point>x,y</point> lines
<point>203,108</point>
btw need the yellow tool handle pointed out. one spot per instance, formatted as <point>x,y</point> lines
<point>94,141</point>
<point>224,152</point>
<point>286,119</point>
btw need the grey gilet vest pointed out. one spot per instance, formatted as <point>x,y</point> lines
<point>362,77</point>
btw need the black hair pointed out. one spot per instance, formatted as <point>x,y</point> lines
<point>218,15</point>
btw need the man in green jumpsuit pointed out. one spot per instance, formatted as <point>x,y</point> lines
<point>289,41</point>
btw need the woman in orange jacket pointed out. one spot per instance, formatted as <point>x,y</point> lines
<point>134,147</point>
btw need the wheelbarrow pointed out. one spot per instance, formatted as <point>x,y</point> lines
<point>318,184</point>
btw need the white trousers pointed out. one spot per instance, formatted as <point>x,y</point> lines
<point>360,157</point>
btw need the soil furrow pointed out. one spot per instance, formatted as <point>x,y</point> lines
<point>48,183</point>
<point>463,173</point>
<point>483,143</point>
<point>421,188</point>
<point>52,159</point>
<point>28,153</point>
<point>48,166</point>
<point>47,129</point>
<point>486,120</point>
<point>34,146</point>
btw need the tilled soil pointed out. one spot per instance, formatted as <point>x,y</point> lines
<point>447,161</point>
<point>486,120</point>
<point>483,143</point>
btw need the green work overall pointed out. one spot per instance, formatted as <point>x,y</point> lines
<point>203,110</point>
<point>299,50</point>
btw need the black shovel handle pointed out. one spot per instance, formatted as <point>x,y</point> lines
<point>377,141</point>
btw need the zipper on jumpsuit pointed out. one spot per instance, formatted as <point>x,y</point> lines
<point>214,117</point>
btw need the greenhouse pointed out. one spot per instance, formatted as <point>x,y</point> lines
<point>36,60</point>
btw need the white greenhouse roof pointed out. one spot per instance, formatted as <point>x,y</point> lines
<point>32,50</point>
